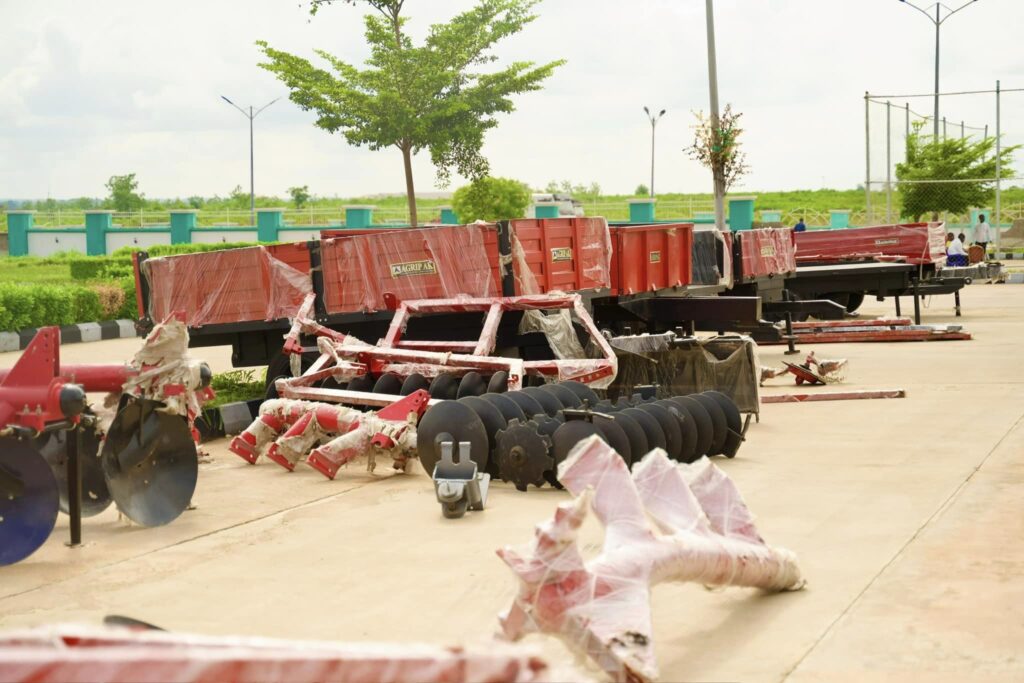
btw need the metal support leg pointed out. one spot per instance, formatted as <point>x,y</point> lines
<point>789,335</point>
<point>898,307</point>
<point>74,472</point>
<point>956,298</point>
<point>917,306</point>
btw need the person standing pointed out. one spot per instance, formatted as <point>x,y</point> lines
<point>800,226</point>
<point>982,233</point>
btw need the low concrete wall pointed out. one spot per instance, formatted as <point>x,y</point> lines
<point>136,238</point>
<point>208,236</point>
<point>45,243</point>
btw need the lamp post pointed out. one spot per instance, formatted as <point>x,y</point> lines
<point>713,84</point>
<point>938,19</point>
<point>252,174</point>
<point>654,122</point>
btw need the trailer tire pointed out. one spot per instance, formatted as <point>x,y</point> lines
<point>280,367</point>
<point>856,299</point>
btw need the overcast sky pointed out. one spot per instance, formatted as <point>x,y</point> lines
<point>92,89</point>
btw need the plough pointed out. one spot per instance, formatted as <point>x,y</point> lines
<point>666,522</point>
<point>54,457</point>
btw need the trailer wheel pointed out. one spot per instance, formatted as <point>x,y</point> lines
<point>856,299</point>
<point>280,367</point>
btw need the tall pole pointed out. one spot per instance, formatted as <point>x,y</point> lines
<point>888,162</point>
<point>999,149</point>
<point>867,155</point>
<point>251,115</point>
<point>713,86</point>
<point>937,20</point>
<point>654,122</point>
<point>252,172</point>
<point>938,23</point>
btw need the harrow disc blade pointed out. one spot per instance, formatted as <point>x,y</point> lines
<point>29,500</point>
<point>150,463</point>
<point>95,494</point>
<point>523,454</point>
<point>455,422</point>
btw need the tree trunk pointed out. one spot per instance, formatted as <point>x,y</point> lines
<point>410,189</point>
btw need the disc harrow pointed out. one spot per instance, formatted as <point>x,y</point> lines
<point>55,458</point>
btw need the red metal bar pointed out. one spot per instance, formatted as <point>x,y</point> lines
<point>835,396</point>
<point>815,325</point>
<point>896,335</point>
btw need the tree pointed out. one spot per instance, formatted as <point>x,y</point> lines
<point>239,198</point>
<point>642,191</point>
<point>435,96</point>
<point>300,195</point>
<point>968,163</point>
<point>123,196</point>
<point>719,149</point>
<point>491,199</point>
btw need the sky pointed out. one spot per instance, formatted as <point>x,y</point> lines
<point>93,89</point>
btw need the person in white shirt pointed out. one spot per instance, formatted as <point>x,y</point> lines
<point>956,247</point>
<point>982,233</point>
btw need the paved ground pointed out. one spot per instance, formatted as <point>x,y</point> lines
<point>906,515</point>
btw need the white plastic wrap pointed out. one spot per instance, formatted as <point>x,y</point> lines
<point>666,522</point>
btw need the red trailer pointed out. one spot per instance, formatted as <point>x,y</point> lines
<point>914,243</point>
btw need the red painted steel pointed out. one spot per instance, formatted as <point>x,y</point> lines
<point>766,252</point>
<point>916,243</point>
<point>30,391</point>
<point>649,258</point>
<point>234,285</point>
<point>874,322</point>
<point>893,335</point>
<point>376,271</point>
<point>834,396</point>
<point>563,254</point>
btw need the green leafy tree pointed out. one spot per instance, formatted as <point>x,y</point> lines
<point>719,149</point>
<point>642,191</point>
<point>442,95</point>
<point>491,199</point>
<point>300,195</point>
<point>965,161</point>
<point>123,196</point>
<point>239,198</point>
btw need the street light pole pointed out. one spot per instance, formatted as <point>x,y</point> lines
<point>252,161</point>
<point>654,122</point>
<point>715,124</point>
<point>938,19</point>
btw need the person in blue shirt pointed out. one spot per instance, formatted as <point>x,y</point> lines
<point>800,226</point>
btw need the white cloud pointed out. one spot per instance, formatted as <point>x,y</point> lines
<point>88,90</point>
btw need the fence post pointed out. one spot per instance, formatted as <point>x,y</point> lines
<point>999,150</point>
<point>906,123</point>
<point>268,222</point>
<point>888,162</point>
<point>183,222</point>
<point>97,222</point>
<point>19,222</point>
<point>867,154</point>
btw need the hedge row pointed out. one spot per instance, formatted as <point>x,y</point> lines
<point>24,305</point>
<point>175,249</point>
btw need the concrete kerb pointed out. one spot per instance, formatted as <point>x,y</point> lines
<point>72,334</point>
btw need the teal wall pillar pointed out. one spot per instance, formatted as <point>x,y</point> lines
<point>741,213</point>
<point>839,218</point>
<point>545,210</point>
<point>183,222</point>
<point>641,210</point>
<point>268,222</point>
<point>987,213</point>
<point>19,222</point>
<point>97,223</point>
<point>359,216</point>
<point>448,216</point>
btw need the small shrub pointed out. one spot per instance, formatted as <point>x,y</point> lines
<point>175,249</point>
<point>129,307</point>
<point>112,298</point>
<point>237,385</point>
<point>24,306</point>
<point>491,199</point>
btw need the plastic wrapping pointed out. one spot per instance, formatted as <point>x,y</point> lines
<point>81,653</point>
<point>666,522</point>
<point>375,272</point>
<point>561,254</point>
<point>557,329</point>
<point>229,286</point>
<point>712,257</point>
<point>916,243</point>
<point>685,365</point>
<point>166,372</point>
<point>765,252</point>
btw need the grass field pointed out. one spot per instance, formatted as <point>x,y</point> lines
<point>814,205</point>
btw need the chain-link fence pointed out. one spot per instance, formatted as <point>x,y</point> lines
<point>949,193</point>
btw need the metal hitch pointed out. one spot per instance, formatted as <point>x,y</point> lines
<point>458,485</point>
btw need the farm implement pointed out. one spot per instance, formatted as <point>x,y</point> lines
<point>515,419</point>
<point>54,456</point>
